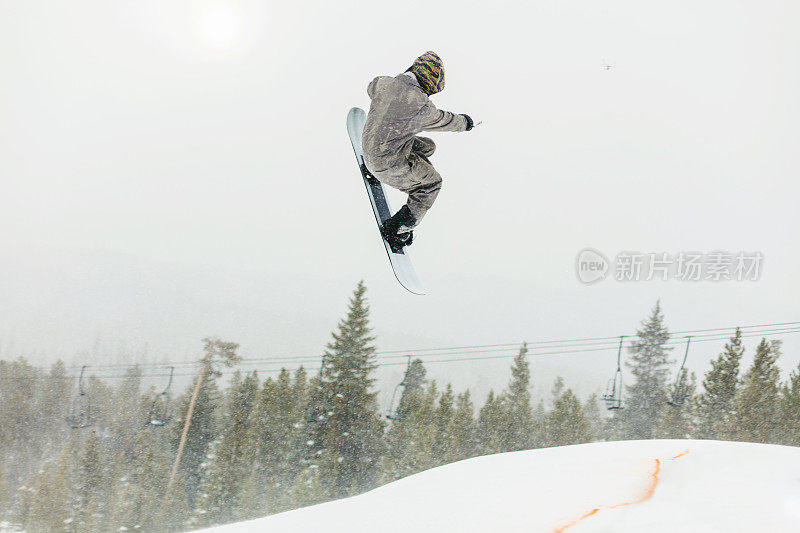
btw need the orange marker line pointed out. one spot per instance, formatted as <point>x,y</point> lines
<point>646,495</point>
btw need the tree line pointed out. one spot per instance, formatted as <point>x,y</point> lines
<point>255,447</point>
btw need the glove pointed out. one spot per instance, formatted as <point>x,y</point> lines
<point>470,124</point>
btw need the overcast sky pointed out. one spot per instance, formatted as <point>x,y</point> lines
<point>173,170</point>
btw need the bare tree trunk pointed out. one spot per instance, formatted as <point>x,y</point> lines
<point>186,425</point>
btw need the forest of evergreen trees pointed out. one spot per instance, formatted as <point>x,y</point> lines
<point>256,447</point>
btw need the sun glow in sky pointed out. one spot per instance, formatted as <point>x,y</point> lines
<point>219,25</point>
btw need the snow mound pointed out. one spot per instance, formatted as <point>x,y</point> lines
<point>615,487</point>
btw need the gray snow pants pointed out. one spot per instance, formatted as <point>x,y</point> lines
<point>418,178</point>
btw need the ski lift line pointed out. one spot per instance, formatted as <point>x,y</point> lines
<point>488,357</point>
<point>674,340</point>
<point>532,345</point>
<point>613,339</point>
<point>436,361</point>
<point>709,338</point>
<point>476,348</point>
<point>532,351</point>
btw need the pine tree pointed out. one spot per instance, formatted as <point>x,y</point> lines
<point>279,435</point>
<point>94,483</point>
<point>491,424</point>
<point>50,400</point>
<point>202,432</point>
<point>790,410</point>
<point>5,495</point>
<point>594,415</point>
<point>715,404</point>
<point>126,418</point>
<point>649,366</point>
<point>462,430</point>
<point>676,420</point>
<point>234,456</point>
<point>443,419</point>
<point>410,439</point>
<point>756,402</point>
<point>412,384</point>
<point>142,490</point>
<point>519,425</point>
<point>20,444</point>
<point>50,505</point>
<point>203,425</point>
<point>347,437</point>
<point>567,423</point>
<point>414,378</point>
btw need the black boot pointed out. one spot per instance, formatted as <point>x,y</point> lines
<point>397,229</point>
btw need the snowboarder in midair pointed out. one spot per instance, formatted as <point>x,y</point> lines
<point>394,153</point>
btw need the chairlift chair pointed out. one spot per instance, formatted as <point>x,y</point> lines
<point>613,394</point>
<point>160,412</point>
<point>394,408</point>
<point>80,415</point>
<point>678,391</point>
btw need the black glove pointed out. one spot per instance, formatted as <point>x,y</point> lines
<point>470,124</point>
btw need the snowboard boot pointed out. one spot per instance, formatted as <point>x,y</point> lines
<point>397,229</point>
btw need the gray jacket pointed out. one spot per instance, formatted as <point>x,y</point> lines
<point>399,111</point>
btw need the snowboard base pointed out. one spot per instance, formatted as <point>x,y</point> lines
<point>398,257</point>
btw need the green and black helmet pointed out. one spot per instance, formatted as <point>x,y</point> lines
<point>429,70</point>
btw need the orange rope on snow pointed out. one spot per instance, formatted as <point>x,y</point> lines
<point>679,455</point>
<point>646,495</point>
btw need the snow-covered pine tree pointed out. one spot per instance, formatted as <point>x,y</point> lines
<point>347,437</point>
<point>756,401</point>
<point>715,404</point>
<point>649,364</point>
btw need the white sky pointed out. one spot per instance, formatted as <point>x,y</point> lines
<point>172,170</point>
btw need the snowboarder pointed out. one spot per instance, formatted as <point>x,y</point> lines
<point>394,153</point>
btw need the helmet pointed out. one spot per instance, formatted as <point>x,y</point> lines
<point>429,71</point>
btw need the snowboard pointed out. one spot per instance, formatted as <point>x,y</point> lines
<point>398,257</point>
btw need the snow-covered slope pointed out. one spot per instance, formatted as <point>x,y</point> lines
<point>615,487</point>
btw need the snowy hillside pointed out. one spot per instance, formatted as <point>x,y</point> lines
<point>615,487</point>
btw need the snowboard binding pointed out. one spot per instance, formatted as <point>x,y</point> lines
<point>397,240</point>
<point>397,229</point>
